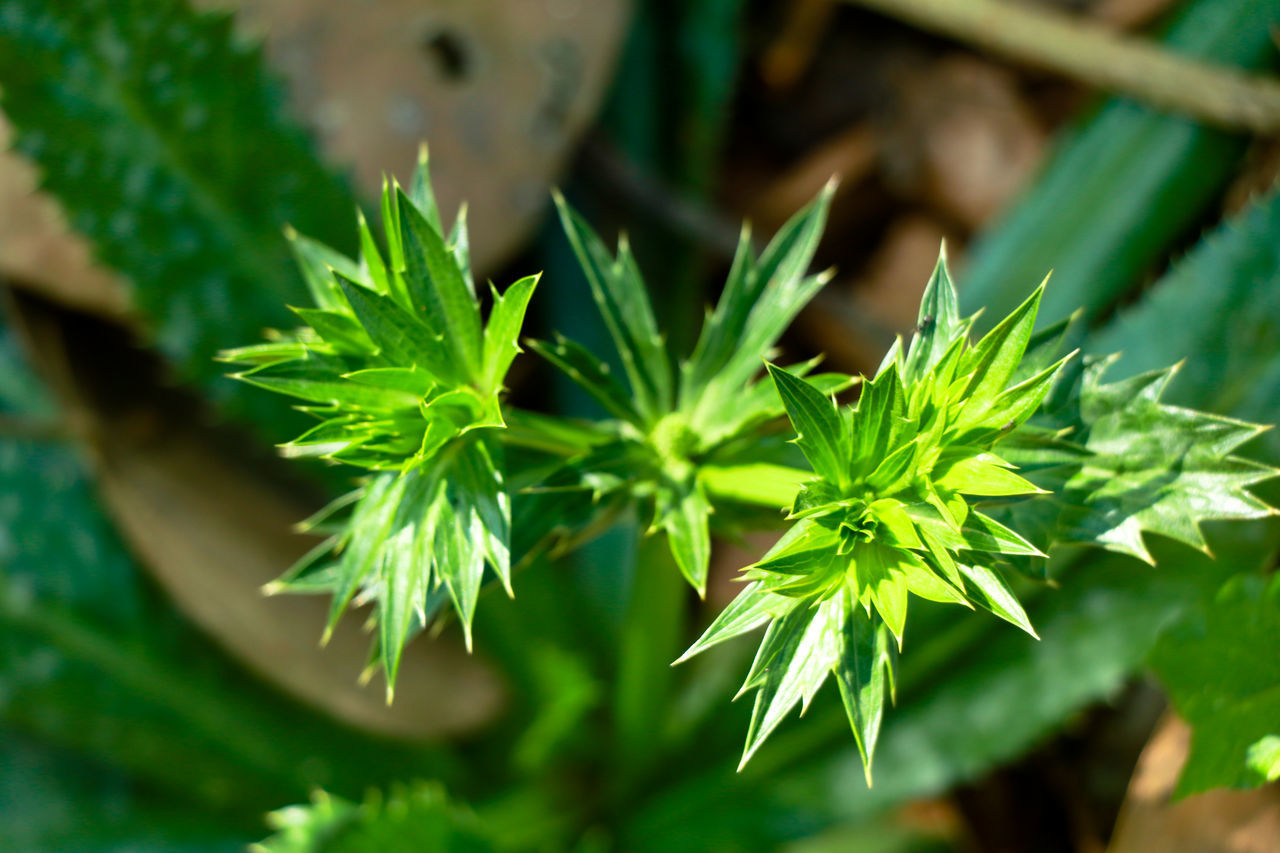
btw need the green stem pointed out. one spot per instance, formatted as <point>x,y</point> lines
<point>761,484</point>
<point>651,636</point>
<point>557,436</point>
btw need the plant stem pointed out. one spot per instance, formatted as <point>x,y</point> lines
<point>557,436</point>
<point>761,484</point>
<point>1089,52</point>
<point>651,637</point>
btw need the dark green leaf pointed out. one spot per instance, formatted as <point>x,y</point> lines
<point>1222,676</point>
<point>166,142</point>
<point>398,334</point>
<point>1129,182</point>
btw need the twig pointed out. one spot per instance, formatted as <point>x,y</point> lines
<point>1078,48</point>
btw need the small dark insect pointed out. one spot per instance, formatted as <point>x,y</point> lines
<point>925,324</point>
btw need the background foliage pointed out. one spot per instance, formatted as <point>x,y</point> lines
<point>172,148</point>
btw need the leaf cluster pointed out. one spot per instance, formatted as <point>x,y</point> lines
<point>912,497</point>
<point>960,462</point>
<point>405,380</point>
<point>674,423</point>
<point>891,513</point>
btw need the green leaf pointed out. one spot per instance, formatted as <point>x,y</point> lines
<point>591,374</point>
<point>95,661</point>
<point>969,700</point>
<point>1221,679</point>
<point>995,358</point>
<point>992,593</point>
<point>750,609</point>
<point>685,516</point>
<point>436,288</point>
<point>1151,468</point>
<point>620,295</point>
<point>759,301</point>
<point>1263,759</point>
<point>1232,278</point>
<point>820,434</point>
<point>865,674</point>
<point>310,379</point>
<point>319,264</point>
<point>882,582</point>
<point>502,334</point>
<point>979,533</point>
<point>421,193</point>
<point>984,475</point>
<point>338,328</point>
<point>410,380</point>
<point>408,817</point>
<point>167,143</point>
<point>939,324</point>
<point>796,656</point>
<point>397,333</point>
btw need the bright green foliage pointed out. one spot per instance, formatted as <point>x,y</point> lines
<point>712,411</point>
<point>1120,464</point>
<point>890,514</point>
<point>1222,673</point>
<point>417,817</point>
<point>910,489</point>
<point>167,143</point>
<point>405,382</point>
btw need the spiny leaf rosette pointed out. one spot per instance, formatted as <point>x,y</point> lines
<point>682,431</point>
<point>406,382</point>
<point>904,480</point>
<point>961,461</point>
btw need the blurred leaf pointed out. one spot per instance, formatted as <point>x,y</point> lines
<point>1216,308</point>
<point>407,819</point>
<point>167,144</point>
<point>1223,677</point>
<point>1123,187</point>
<point>51,800</point>
<point>93,659</point>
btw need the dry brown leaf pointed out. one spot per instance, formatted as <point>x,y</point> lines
<point>849,156</point>
<point>212,531</point>
<point>1221,821</point>
<point>960,139</point>
<point>500,89</point>
<point>37,248</point>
